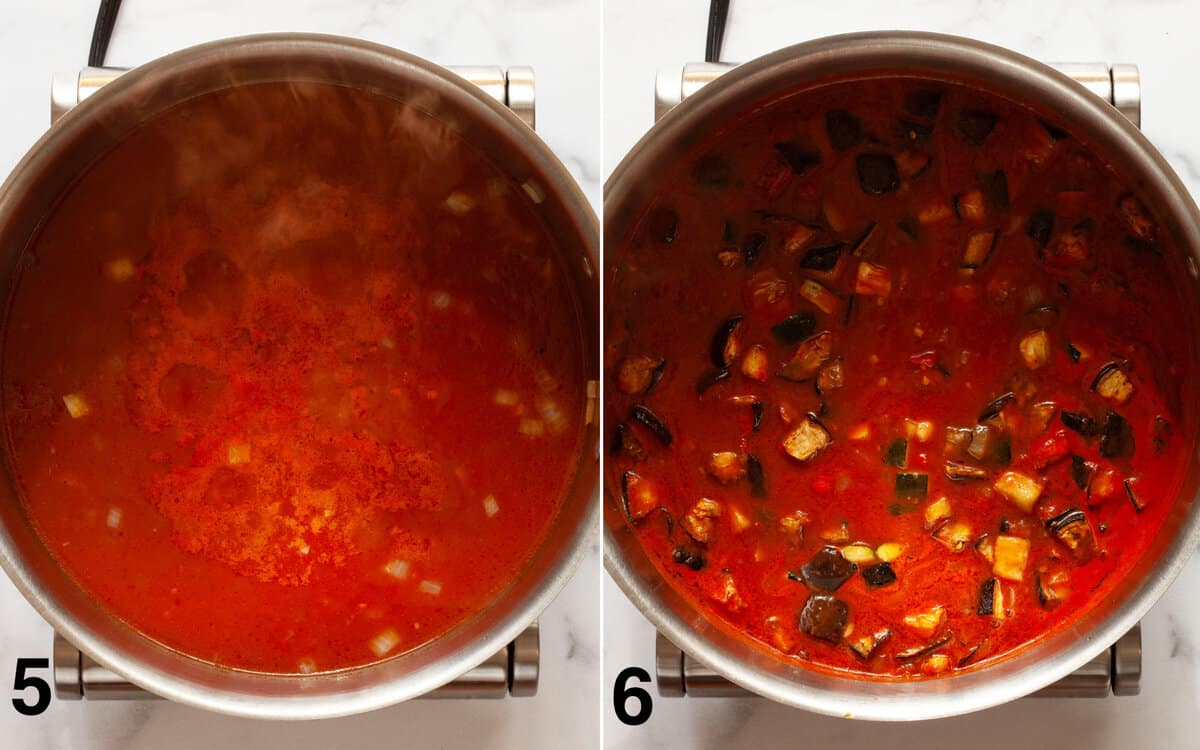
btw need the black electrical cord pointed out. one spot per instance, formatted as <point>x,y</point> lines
<point>106,18</point>
<point>718,12</point>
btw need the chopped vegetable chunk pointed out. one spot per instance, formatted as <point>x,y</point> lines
<point>1021,489</point>
<point>1012,554</point>
<point>807,439</point>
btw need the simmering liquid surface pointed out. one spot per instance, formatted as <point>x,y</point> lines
<point>292,379</point>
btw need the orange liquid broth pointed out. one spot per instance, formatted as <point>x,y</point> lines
<point>919,355</point>
<point>293,381</point>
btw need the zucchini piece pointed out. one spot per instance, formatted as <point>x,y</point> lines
<point>1138,504</point>
<point>864,646</point>
<point>1011,557</point>
<point>639,374</point>
<point>1040,227</point>
<point>756,475</point>
<point>987,598</point>
<point>843,129</point>
<point>752,247</point>
<point>960,472</point>
<point>995,406</point>
<point>827,570</point>
<point>726,343</point>
<point>877,173</point>
<point>824,617</point>
<point>808,358</point>
<point>823,257</point>
<point>711,378</point>
<point>879,575</point>
<point>700,522</point>
<point>648,419</point>
<point>1116,438</point>
<point>1081,423</point>
<point>1112,383</point>
<point>896,453</point>
<point>979,248</point>
<point>807,439</point>
<point>911,486</point>
<point>974,126</point>
<point>1073,529</point>
<point>726,467</point>
<point>1021,489</point>
<point>990,444</point>
<point>663,225</point>
<point>859,553</point>
<point>1081,472</point>
<point>794,329</point>
<point>689,557</point>
<point>798,157</point>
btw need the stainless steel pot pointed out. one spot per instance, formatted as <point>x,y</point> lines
<point>91,128</point>
<point>1111,134</point>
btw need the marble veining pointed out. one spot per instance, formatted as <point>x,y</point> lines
<point>642,37</point>
<point>38,37</point>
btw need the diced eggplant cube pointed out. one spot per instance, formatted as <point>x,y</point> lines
<point>700,522</point>
<point>990,444</point>
<point>808,357</point>
<point>897,453</point>
<point>752,247</point>
<point>794,329</point>
<point>937,512</point>
<point>1116,438</point>
<point>827,570</point>
<point>798,157</point>
<point>865,645</point>
<point>726,343</point>
<point>756,363</point>
<point>960,472</point>
<point>1035,349</point>
<point>807,439</point>
<point>1021,489</point>
<point>955,535</point>
<point>756,476</point>
<point>640,495</point>
<point>831,377</point>
<point>792,525</point>
<point>1073,529</point>
<point>823,258</point>
<point>979,248</point>
<point>726,466</point>
<point>993,409</point>
<point>624,441</point>
<point>648,419</point>
<point>824,617</point>
<point>1081,472</point>
<point>638,374</point>
<point>879,575</point>
<point>877,173</point>
<point>1011,557</point>
<point>1113,384</point>
<point>1052,587</point>
<point>844,129</point>
<point>911,486</point>
<point>987,598</point>
<point>691,558</point>
<point>1081,423</point>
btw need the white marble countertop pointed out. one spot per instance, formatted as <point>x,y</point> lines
<point>38,37</point>
<point>640,37</point>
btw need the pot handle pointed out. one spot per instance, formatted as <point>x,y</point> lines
<point>513,87</point>
<point>513,670</point>
<point>1118,84</point>
<point>1115,671</point>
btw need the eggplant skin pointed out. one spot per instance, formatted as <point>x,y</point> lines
<point>877,173</point>
<point>648,419</point>
<point>794,329</point>
<point>824,617</point>
<point>721,352</point>
<point>689,558</point>
<point>756,476</point>
<point>1116,438</point>
<point>993,409</point>
<point>827,570</point>
<point>987,597</point>
<point>879,575</point>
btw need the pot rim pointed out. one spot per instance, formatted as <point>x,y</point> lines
<point>176,676</point>
<point>950,58</point>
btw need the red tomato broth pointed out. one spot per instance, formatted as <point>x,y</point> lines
<point>938,348</point>
<point>290,310</point>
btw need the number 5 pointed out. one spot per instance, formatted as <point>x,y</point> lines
<point>22,681</point>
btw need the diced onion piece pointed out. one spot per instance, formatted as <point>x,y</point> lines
<point>1012,553</point>
<point>700,522</point>
<point>1035,349</point>
<point>793,525</point>
<point>490,506</point>
<point>384,642</point>
<point>926,622</point>
<point>935,664</point>
<point>114,518</point>
<point>238,453</point>
<point>397,569</point>
<point>860,554</point>
<point>430,587</point>
<point>531,427</point>
<point>1022,490</point>
<point>505,397</point>
<point>306,666</point>
<point>936,512</point>
<point>921,430</point>
<point>809,437</point>
<point>825,300</point>
<point>458,203</point>
<point>739,520</point>
<point>755,363</point>
<point>120,270</point>
<point>873,280</point>
<point>77,405</point>
<point>552,413</point>
<point>888,551</point>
